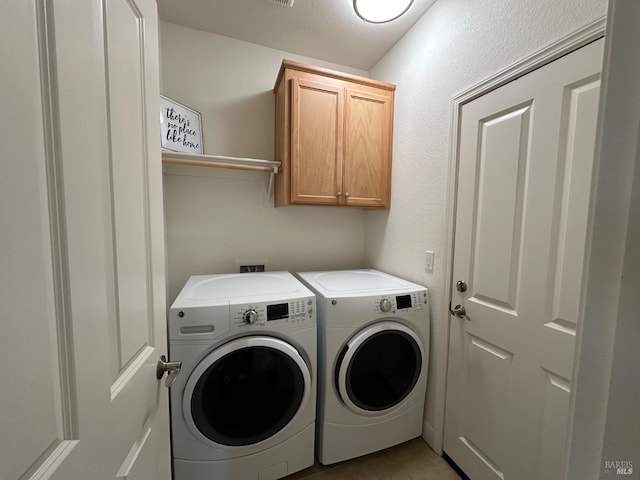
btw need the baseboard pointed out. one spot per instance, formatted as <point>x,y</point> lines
<point>428,435</point>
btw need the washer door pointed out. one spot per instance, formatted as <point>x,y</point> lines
<point>246,391</point>
<point>379,367</point>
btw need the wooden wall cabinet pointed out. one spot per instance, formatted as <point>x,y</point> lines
<point>333,138</point>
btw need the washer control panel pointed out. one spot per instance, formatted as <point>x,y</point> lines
<point>385,305</point>
<point>250,316</point>
<point>401,302</point>
<point>272,314</point>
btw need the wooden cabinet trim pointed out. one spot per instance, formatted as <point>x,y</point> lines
<point>380,173</point>
<point>328,176</point>
<point>325,72</point>
<point>371,180</point>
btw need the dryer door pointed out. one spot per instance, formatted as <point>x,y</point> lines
<point>246,391</point>
<point>378,367</point>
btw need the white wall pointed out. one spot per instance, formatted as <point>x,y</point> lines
<point>455,45</point>
<point>215,216</point>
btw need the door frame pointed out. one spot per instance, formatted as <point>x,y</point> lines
<point>604,411</point>
<point>573,41</point>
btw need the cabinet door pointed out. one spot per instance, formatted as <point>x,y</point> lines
<point>368,131</point>
<point>317,113</point>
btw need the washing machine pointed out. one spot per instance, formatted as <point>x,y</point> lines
<point>243,406</point>
<point>373,349</point>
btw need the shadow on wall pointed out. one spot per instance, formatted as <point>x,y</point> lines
<point>376,222</point>
<point>240,126</point>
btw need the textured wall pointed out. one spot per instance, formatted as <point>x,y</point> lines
<point>215,216</point>
<point>455,45</point>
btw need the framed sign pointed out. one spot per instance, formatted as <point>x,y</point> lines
<point>180,127</point>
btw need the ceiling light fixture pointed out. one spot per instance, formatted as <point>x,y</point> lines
<point>381,11</point>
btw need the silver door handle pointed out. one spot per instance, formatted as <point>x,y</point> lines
<point>171,368</point>
<point>459,311</point>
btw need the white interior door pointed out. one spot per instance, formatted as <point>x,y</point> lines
<point>525,160</point>
<point>82,304</point>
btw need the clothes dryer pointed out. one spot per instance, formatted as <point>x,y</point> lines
<point>243,406</point>
<point>373,350</point>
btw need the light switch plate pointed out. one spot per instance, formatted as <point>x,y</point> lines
<point>428,260</point>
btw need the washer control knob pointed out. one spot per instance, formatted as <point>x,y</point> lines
<point>250,317</point>
<point>385,305</point>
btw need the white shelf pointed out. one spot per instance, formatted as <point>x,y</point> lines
<point>219,161</point>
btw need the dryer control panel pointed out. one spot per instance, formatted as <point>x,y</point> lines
<point>267,314</point>
<point>401,302</point>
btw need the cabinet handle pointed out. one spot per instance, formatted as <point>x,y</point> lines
<point>339,194</point>
<point>347,194</point>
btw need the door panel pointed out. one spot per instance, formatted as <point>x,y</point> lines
<point>483,433</point>
<point>525,161</point>
<point>85,261</point>
<point>571,207</point>
<point>135,272</point>
<point>36,418</point>
<point>368,149</point>
<point>317,124</point>
<point>555,412</point>
<point>503,159</point>
<point>133,319</point>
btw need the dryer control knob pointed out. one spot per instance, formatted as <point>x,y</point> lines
<point>385,305</point>
<point>250,317</point>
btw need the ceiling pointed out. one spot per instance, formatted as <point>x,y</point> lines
<point>323,29</point>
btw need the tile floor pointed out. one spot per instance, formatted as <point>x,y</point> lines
<point>413,460</point>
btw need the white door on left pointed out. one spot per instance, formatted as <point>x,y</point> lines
<point>82,303</point>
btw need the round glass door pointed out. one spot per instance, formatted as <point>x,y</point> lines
<point>246,391</point>
<point>379,367</point>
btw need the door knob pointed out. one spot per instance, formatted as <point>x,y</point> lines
<point>171,368</point>
<point>459,311</point>
<point>461,286</point>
